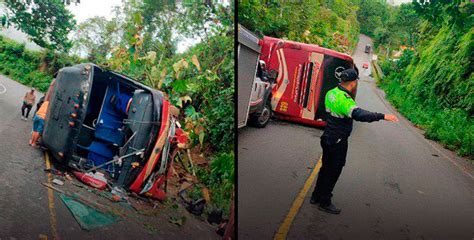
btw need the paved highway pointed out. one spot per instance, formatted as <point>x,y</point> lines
<point>395,185</point>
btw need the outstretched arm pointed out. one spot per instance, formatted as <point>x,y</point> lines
<point>348,108</point>
<point>362,115</point>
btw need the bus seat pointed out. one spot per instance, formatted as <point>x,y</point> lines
<point>109,134</point>
<point>99,153</point>
<point>111,118</point>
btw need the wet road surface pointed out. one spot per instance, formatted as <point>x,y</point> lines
<point>395,185</point>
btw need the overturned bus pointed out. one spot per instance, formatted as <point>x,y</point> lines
<point>304,73</point>
<point>102,119</point>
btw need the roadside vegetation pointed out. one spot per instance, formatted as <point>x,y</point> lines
<point>141,41</point>
<point>31,67</point>
<point>328,23</point>
<point>432,82</point>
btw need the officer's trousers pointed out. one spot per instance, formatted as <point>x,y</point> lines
<point>333,160</point>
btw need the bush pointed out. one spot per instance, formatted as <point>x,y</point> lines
<point>454,128</point>
<point>26,66</point>
<point>220,180</point>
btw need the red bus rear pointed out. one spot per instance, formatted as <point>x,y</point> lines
<point>305,73</point>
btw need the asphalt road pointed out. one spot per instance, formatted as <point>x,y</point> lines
<point>25,210</point>
<point>395,185</point>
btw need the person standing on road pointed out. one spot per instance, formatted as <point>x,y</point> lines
<point>40,102</point>
<point>38,124</point>
<point>28,101</point>
<point>342,111</point>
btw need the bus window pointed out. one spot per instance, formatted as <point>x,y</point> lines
<point>333,67</point>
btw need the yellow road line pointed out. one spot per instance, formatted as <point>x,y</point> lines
<point>285,226</point>
<point>52,212</point>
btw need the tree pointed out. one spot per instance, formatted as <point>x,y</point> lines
<point>372,14</point>
<point>409,29</point>
<point>47,23</point>
<point>159,20</point>
<point>432,10</point>
<point>96,37</point>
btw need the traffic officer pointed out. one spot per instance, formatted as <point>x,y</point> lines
<point>342,111</point>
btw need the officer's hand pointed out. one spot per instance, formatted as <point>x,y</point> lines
<point>391,118</point>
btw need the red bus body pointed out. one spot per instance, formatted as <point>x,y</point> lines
<point>305,72</point>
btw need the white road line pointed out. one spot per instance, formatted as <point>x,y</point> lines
<point>3,89</point>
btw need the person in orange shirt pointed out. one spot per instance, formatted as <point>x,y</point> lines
<point>38,124</point>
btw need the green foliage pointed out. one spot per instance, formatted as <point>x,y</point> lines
<point>96,37</point>
<point>434,85</point>
<point>408,31</point>
<point>457,12</point>
<point>220,180</point>
<point>24,65</point>
<point>328,23</point>
<point>372,15</point>
<point>48,23</point>
<point>387,25</point>
<point>389,65</point>
<point>404,60</point>
<point>199,81</point>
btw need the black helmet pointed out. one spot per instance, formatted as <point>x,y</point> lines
<point>349,75</point>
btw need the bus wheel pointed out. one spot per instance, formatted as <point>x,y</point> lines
<point>263,118</point>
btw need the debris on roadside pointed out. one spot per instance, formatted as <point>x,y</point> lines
<point>52,187</point>
<point>182,183</point>
<point>150,228</point>
<point>180,221</point>
<point>68,177</point>
<point>80,198</point>
<point>54,171</point>
<point>79,185</point>
<point>96,180</point>
<point>58,182</point>
<point>215,216</point>
<point>196,207</point>
<point>221,228</point>
<point>205,194</point>
<point>88,217</point>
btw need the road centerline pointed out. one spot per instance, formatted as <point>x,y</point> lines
<point>297,203</point>
<point>52,211</point>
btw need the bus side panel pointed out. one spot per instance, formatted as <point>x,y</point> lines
<point>332,68</point>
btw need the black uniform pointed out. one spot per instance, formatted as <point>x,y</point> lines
<point>334,141</point>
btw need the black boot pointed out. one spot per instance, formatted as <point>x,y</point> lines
<point>329,208</point>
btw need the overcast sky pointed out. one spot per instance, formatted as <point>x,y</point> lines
<point>398,2</point>
<point>91,8</point>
